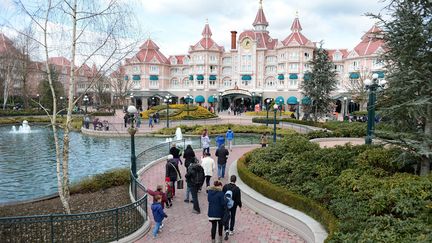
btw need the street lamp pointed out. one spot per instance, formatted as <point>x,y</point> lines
<point>372,86</point>
<point>253,100</point>
<point>132,110</point>
<point>61,105</point>
<point>167,100</point>
<point>131,98</point>
<point>275,108</point>
<point>260,99</point>
<point>215,102</point>
<point>344,107</point>
<point>267,101</point>
<point>188,99</point>
<point>86,100</point>
<point>219,100</point>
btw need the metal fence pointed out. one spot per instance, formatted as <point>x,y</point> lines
<point>102,226</point>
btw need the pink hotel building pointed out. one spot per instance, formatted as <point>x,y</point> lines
<point>256,67</point>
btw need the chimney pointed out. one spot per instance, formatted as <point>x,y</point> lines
<point>233,40</point>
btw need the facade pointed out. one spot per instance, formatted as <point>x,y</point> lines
<point>256,67</point>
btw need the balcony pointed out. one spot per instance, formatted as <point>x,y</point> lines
<point>154,72</point>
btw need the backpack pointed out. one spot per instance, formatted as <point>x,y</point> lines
<point>228,199</point>
<point>199,175</point>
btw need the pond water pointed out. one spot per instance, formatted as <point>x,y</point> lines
<point>27,160</point>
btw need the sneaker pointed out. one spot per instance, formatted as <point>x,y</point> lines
<point>195,212</point>
<point>226,235</point>
<point>191,201</point>
<point>186,201</point>
<point>162,225</point>
<point>231,232</point>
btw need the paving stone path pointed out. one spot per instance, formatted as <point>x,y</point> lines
<point>184,226</point>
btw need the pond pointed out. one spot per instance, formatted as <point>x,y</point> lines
<point>27,160</point>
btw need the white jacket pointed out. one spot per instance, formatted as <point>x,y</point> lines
<point>208,165</point>
<point>205,142</point>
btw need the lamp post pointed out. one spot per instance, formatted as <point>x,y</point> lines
<point>267,101</point>
<point>86,100</point>
<point>220,102</point>
<point>344,107</point>
<point>61,105</point>
<point>132,110</point>
<point>188,98</point>
<point>167,100</point>
<point>131,98</point>
<point>372,86</point>
<point>253,100</point>
<point>275,108</point>
<point>215,102</point>
<point>260,99</point>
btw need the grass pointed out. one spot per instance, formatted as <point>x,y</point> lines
<point>112,178</point>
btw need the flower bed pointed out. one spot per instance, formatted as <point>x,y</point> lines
<point>179,112</point>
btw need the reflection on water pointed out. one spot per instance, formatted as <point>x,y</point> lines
<point>27,161</point>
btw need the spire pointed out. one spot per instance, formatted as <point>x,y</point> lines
<point>149,44</point>
<point>296,26</point>
<point>260,19</point>
<point>206,33</point>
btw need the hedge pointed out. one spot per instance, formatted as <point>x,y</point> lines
<point>288,198</point>
<point>264,120</point>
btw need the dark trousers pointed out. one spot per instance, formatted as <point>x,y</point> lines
<point>194,192</point>
<point>206,150</point>
<point>207,178</point>
<point>231,222</point>
<point>173,183</point>
<point>216,223</point>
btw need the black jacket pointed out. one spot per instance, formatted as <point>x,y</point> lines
<point>175,152</point>
<point>222,155</point>
<point>189,156</point>
<point>171,169</point>
<point>195,175</point>
<point>236,193</point>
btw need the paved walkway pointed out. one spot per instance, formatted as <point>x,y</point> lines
<point>184,226</point>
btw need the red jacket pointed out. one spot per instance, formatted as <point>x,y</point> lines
<point>154,193</point>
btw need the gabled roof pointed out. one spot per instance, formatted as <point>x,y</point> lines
<point>370,42</point>
<point>180,58</point>
<point>262,39</point>
<point>260,18</point>
<point>149,51</point>
<point>344,53</point>
<point>6,44</point>
<point>206,41</point>
<point>59,61</point>
<point>296,37</point>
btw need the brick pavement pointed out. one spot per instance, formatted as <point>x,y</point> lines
<point>184,226</point>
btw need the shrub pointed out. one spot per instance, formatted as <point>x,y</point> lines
<point>271,113</point>
<point>179,112</point>
<point>362,186</point>
<point>264,120</point>
<point>116,177</point>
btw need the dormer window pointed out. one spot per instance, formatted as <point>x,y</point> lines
<point>173,61</point>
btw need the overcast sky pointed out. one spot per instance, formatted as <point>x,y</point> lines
<point>176,24</point>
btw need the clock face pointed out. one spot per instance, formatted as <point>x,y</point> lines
<point>246,43</point>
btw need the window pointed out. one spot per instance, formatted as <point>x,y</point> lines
<point>337,57</point>
<point>154,83</point>
<point>212,82</point>
<point>270,82</point>
<point>270,69</point>
<point>293,55</point>
<point>226,70</point>
<point>245,82</point>
<point>281,82</point>
<point>307,55</point>
<point>282,56</point>
<point>281,67</point>
<point>227,82</point>
<point>154,69</point>
<point>212,58</point>
<point>136,69</point>
<point>212,68</point>
<point>174,83</point>
<point>293,82</point>
<point>227,61</point>
<point>271,59</point>
<point>200,82</point>
<point>377,63</point>
<point>187,82</point>
<point>186,71</point>
<point>307,67</point>
<point>293,67</point>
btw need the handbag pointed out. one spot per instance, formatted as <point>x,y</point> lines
<point>179,180</point>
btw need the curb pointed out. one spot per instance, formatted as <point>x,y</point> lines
<point>298,222</point>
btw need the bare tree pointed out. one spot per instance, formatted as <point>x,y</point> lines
<point>120,84</point>
<point>95,30</point>
<point>356,87</point>
<point>9,62</point>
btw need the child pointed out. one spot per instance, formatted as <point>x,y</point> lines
<point>158,214</point>
<point>158,192</point>
<point>169,192</point>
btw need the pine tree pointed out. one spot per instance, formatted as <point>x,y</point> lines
<point>407,102</point>
<point>320,84</point>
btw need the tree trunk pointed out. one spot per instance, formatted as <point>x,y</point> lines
<point>426,160</point>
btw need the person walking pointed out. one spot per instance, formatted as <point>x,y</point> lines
<point>205,142</point>
<point>230,138</point>
<point>175,153</point>
<point>158,215</point>
<point>150,121</point>
<point>189,156</point>
<point>160,192</point>
<point>172,172</point>
<point>209,167</point>
<point>222,157</point>
<point>138,119</point>
<point>216,207</point>
<point>236,197</point>
<point>195,179</point>
<point>220,140</point>
<point>264,140</point>
<point>126,119</point>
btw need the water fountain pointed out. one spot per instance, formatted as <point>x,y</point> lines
<point>24,128</point>
<point>178,136</point>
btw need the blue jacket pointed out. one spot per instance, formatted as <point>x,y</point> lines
<point>158,213</point>
<point>216,206</point>
<point>230,135</point>
<point>220,140</point>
